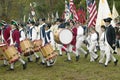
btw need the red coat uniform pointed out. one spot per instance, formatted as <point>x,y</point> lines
<point>74,31</point>
<point>16,39</point>
<point>6,33</point>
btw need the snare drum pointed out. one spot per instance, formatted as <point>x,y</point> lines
<point>48,52</point>
<point>26,47</point>
<point>37,45</point>
<point>11,54</point>
<point>2,47</point>
<point>63,36</point>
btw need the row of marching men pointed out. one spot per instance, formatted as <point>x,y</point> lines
<point>68,36</point>
<point>15,43</point>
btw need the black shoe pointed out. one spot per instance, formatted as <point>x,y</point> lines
<point>109,61</point>
<point>96,58</point>
<point>48,66</point>
<point>29,60</point>
<point>37,59</point>
<point>77,58</point>
<point>24,66</point>
<point>114,52</point>
<point>116,62</point>
<point>96,52</point>
<point>3,65</point>
<point>86,55</point>
<point>10,69</point>
<point>100,63</point>
<point>60,54</point>
<point>42,63</point>
<point>52,62</point>
<point>67,60</point>
<point>105,65</point>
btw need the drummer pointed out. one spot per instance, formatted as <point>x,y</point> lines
<point>50,36</point>
<point>61,24</point>
<point>43,36</point>
<point>22,32</point>
<point>71,47</point>
<point>79,41</point>
<point>14,40</point>
<point>32,35</point>
<point>5,33</point>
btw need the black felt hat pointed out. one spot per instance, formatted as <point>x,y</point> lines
<point>107,19</point>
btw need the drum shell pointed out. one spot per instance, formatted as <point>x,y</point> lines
<point>11,54</point>
<point>26,47</point>
<point>2,47</point>
<point>56,36</point>
<point>47,51</point>
<point>37,45</point>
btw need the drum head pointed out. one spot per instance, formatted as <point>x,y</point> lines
<point>65,36</point>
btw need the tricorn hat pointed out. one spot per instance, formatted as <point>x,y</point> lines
<point>107,19</point>
<point>2,23</point>
<point>13,22</point>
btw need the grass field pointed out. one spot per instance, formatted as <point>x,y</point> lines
<point>81,70</point>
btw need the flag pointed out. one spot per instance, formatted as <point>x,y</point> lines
<point>48,17</point>
<point>52,17</point>
<point>73,10</point>
<point>114,12</point>
<point>67,12</point>
<point>91,7</point>
<point>32,10</point>
<point>103,12</point>
<point>82,15</point>
<point>114,15</point>
<point>56,15</point>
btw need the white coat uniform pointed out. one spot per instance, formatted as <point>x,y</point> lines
<point>33,36</point>
<point>22,34</point>
<point>79,41</point>
<point>102,47</point>
<point>93,41</point>
<point>50,38</point>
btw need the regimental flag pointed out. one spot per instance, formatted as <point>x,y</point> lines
<point>32,10</point>
<point>91,7</point>
<point>114,15</point>
<point>52,17</point>
<point>82,15</point>
<point>56,15</point>
<point>67,12</point>
<point>73,10</point>
<point>114,12</point>
<point>103,12</point>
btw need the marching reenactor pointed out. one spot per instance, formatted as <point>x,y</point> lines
<point>79,41</point>
<point>14,40</point>
<point>32,35</point>
<point>110,40</point>
<point>43,36</point>
<point>92,44</point>
<point>102,45</point>
<point>5,33</point>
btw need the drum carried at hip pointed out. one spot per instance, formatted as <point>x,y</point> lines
<point>63,36</point>
<point>37,45</point>
<point>48,52</point>
<point>26,47</point>
<point>2,47</point>
<point>11,53</point>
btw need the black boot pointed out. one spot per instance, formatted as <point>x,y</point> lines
<point>24,66</point>
<point>77,58</point>
<point>37,59</point>
<point>116,62</point>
